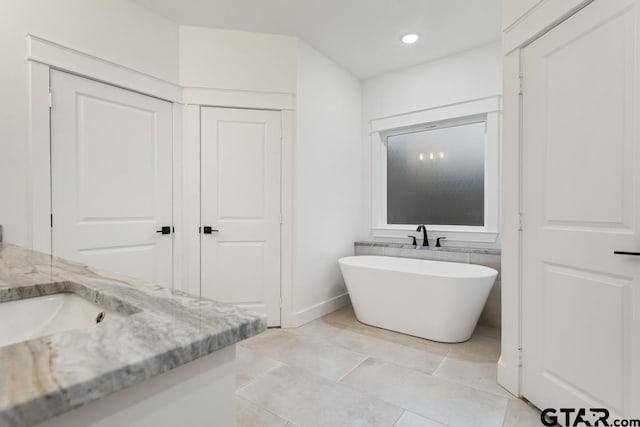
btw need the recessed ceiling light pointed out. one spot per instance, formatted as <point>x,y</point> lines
<point>410,38</point>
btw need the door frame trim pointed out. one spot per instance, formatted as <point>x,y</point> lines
<point>537,21</point>
<point>509,369</point>
<point>191,206</point>
<point>67,59</point>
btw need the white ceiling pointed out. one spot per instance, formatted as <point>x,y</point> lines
<point>361,35</point>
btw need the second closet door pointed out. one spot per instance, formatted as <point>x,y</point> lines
<point>240,241</point>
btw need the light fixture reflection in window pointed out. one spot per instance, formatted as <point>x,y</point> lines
<point>432,156</point>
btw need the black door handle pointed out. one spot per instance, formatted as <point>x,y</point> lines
<point>208,230</point>
<point>164,230</point>
<point>626,253</point>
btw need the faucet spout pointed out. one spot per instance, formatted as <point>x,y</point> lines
<point>425,238</point>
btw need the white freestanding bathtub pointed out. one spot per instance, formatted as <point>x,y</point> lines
<point>436,300</point>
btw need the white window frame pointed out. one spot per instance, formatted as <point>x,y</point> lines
<point>486,109</point>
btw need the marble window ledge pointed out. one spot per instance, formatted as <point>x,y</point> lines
<point>484,251</point>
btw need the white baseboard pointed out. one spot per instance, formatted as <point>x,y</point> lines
<point>316,311</point>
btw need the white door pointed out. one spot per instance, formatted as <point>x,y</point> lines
<point>240,241</point>
<point>111,170</point>
<point>581,194</point>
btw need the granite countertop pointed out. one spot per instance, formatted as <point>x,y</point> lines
<point>486,251</point>
<point>161,330</point>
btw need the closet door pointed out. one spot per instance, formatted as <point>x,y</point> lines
<point>111,154</point>
<point>581,195</point>
<point>240,241</point>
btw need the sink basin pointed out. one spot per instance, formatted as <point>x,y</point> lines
<point>30,318</point>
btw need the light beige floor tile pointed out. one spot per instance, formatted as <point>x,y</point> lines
<point>346,319</point>
<point>250,364</point>
<point>472,370</point>
<point>265,336</point>
<point>251,415</point>
<point>411,341</point>
<point>485,341</point>
<point>409,419</point>
<point>323,359</point>
<point>432,397</point>
<point>313,348</point>
<point>425,360</point>
<point>479,345</point>
<point>317,330</point>
<point>308,401</point>
<point>487,331</point>
<point>521,414</point>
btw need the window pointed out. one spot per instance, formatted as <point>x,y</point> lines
<point>439,167</point>
<point>436,175</point>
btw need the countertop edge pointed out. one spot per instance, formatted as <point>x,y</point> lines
<point>55,404</point>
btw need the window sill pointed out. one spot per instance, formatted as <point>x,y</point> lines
<point>462,234</point>
<point>479,251</point>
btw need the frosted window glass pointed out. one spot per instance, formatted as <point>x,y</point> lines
<point>436,176</point>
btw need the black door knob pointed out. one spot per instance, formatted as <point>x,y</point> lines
<point>164,230</point>
<point>208,230</point>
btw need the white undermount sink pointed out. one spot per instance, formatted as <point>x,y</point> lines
<point>30,318</point>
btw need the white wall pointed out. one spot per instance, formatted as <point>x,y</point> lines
<point>512,10</point>
<point>327,183</point>
<point>458,78</point>
<point>469,75</point>
<point>223,59</point>
<point>115,30</point>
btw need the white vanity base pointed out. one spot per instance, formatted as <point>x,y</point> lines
<point>200,393</point>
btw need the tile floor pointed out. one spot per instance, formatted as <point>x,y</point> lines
<point>336,372</point>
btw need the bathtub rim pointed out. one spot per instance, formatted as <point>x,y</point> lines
<point>482,271</point>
